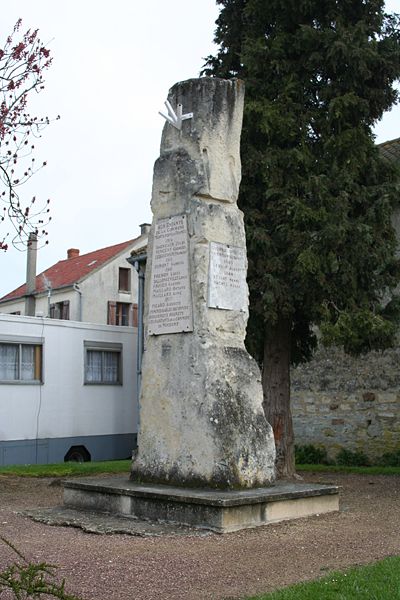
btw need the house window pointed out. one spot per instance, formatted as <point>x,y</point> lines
<point>119,313</point>
<point>124,280</point>
<point>103,363</point>
<point>60,310</point>
<point>20,362</point>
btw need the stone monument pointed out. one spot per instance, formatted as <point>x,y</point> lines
<point>201,416</point>
<point>205,453</point>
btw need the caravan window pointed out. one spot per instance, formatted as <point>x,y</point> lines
<point>103,363</point>
<point>20,362</point>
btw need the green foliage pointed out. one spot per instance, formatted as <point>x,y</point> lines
<point>380,581</point>
<point>352,459</point>
<point>316,194</point>
<point>390,459</point>
<point>311,455</point>
<point>26,579</point>
<point>67,469</point>
<point>376,470</point>
<point>361,330</point>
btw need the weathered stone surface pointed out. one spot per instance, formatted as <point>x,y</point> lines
<point>201,417</point>
<point>104,523</point>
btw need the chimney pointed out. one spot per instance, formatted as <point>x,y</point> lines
<point>31,275</point>
<point>144,228</point>
<point>73,253</point>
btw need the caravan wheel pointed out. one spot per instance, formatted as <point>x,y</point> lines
<point>77,454</point>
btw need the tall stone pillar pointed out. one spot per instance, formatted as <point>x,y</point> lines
<point>201,416</point>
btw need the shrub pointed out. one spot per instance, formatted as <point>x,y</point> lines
<point>31,580</point>
<point>352,459</point>
<point>310,455</point>
<point>390,459</point>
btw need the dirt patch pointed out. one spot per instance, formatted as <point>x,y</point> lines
<point>214,567</point>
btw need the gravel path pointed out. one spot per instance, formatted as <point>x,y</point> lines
<point>193,567</point>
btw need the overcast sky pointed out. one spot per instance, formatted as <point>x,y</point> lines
<point>113,63</point>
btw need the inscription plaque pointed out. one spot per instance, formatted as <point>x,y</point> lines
<point>170,306</point>
<point>227,288</point>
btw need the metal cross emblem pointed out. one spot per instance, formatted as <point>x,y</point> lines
<point>175,118</point>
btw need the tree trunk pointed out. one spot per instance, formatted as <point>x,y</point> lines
<point>276,388</point>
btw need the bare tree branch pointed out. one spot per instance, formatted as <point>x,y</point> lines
<point>23,61</point>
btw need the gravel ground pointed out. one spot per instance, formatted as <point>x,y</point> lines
<point>193,567</point>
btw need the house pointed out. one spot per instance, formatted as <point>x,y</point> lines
<point>67,391</point>
<point>97,287</point>
<point>68,359</point>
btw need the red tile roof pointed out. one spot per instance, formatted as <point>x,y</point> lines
<point>70,271</point>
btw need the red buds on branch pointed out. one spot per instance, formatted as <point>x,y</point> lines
<point>23,62</point>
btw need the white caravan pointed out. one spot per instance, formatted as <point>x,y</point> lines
<point>67,391</point>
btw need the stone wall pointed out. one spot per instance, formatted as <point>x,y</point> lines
<point>343,402</point>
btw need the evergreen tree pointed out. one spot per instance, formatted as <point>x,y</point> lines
<point>316,194</point>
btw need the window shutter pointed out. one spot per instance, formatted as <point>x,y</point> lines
<point>134,315</point>
<point>112,309</point>
<point>65,310</point>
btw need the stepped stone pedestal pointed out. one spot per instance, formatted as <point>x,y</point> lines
<point>215,510</point>
<point>205,450</point>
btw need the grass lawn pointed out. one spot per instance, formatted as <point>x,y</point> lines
<point>123,466</point>
<point>345,469</point>
<point>380,581</point>
<point>68,469</point>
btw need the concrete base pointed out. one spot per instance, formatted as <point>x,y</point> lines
<point>219,511</point>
